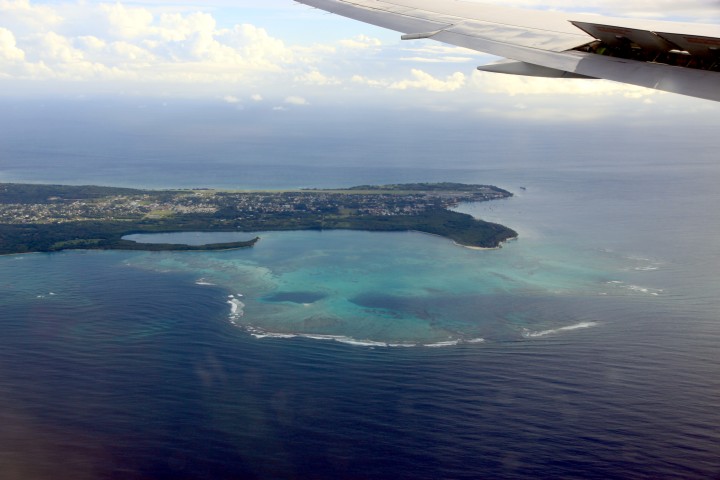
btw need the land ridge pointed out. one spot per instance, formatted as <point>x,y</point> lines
<point>49,218</point>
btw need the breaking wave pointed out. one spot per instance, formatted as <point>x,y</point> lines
<point>236,308</point>
<point>447,343</point>
<point>543,333</point>
<point>635,288</point>
<point>261,334</point>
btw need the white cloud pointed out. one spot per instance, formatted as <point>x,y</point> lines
<point>58,49</point>
<point>294,100</point>
<point>92,43</point>
<point>166,46</point>
<point>316,78</point>
<point>130,52</point>
<point>116,41</point>
<point>175,27</point>
<point>128,22</point>
<point>419,81</point>
<point>24,16</point>
<point>360,42</point>
<point>231,99</point>
<point>425,81</point>
<point>256,47</point>
<point>369,81</point>
<point>437,59</point>
<point>8,46</point>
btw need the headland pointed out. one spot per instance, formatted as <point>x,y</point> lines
<point>49,218</point>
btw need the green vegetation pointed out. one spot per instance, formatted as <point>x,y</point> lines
<point>92,235</point>
<point>459,227</point>
<point>48,218</point>
<point>32,193</point>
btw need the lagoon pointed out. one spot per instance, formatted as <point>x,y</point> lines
<point>598,356</point>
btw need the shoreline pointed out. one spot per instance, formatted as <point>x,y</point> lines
<point>477,248</point>
<point>500,245</point>
<point>211,247</point>
<point>471,247</point>
<point>152,247</point>
<point>90,217</point>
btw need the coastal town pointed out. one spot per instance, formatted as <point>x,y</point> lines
<point>391,200</point>
<point>47,218</point>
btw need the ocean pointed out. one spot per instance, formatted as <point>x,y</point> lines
<point>586,348</point>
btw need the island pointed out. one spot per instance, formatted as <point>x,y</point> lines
<point>50,218</point>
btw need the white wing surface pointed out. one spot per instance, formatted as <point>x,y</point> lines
<point>675,57</point>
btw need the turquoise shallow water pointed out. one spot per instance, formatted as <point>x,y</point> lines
<point>600,324</point>
<point>399,288</point>
<point>599,356</point>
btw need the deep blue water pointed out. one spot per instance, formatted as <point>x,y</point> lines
<point>600,356</point>
<point>139,375</point>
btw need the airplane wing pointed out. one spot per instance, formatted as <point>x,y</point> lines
<point>675,57</point>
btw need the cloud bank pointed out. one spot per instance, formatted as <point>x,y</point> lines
<point>165,48</point>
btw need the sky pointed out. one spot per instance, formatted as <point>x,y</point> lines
<point>281,56</point>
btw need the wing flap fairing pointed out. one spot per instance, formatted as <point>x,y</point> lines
<point>512,67</point>
<point>618,36</point>
<point>695,44</point>
<point>649,41</point>
<point>689,52</point>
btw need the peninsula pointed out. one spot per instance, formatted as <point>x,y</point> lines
<point>49,218</point>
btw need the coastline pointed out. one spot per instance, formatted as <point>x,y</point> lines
<point>133,246</point>
<point>500,245</point>
<point>471,247</point>
<point>97,218</point>
<point>178,247</point>
<point>478,248</point>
